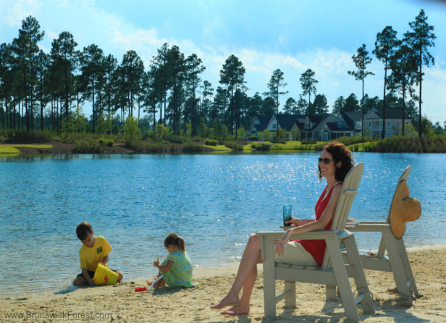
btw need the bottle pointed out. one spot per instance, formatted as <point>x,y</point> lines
<point>140,289</point>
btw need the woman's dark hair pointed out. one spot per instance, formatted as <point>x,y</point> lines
<point>174,239</point>
<point>339,153</point>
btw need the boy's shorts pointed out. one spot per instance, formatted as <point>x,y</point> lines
<point>91,273</point>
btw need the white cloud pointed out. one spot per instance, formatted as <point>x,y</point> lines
<point>13,12</point>
<point>64,3</point>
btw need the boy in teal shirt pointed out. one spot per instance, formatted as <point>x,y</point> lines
<point>94,250</point>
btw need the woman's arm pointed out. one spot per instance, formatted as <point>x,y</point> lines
<point>163,269</point>
<point>299,222</point>
<point>315,225</point>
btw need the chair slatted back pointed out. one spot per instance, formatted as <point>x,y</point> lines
<point>404,176</point>
<point>345,201</point>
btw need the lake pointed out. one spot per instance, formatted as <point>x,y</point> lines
<point>215,202</point>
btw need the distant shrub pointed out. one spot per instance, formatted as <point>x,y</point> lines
<point>253,138</point>
<point>275,147</point>
<point>14,135</point>
<point>2,138</point>
<point>106,142</point>
<point>211,142</point>
<point>88,146</point>
<point>278,141</point>
<point>260,146</point>
<point>234,145</point>
<point>190,147</point>
<point>309,142</point>
<point>176,139</point>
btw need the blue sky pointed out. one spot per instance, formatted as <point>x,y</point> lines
<point>292,35</point>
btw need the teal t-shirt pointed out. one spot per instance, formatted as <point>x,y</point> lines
<point>180,273</point>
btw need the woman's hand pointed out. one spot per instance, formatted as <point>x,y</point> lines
<point>280,245</point>
<point>294,221</point>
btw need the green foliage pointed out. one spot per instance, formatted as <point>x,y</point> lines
<point>143,146</point>
<point>190,147</point>
<point>278,141</point>
<point>309,142</point>
<point>131,128</point>
<point>188,130</point>
<point>241,133</point>
<point>260,146</point>
<point>89,146</point>
<point>104,124</point>
<point>234,145</point>
<point>203,131</point>
<point>14,136</point>
<point>400,144</point>
<point>211,142</point>
<point>295,134</point>
<point>266,135</point>
<point>253,138</point>
<point>106,142</point>
<point>159,132</point>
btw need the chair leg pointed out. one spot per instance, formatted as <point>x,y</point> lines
<point>290,300</point>
<point>269,283</point>
<point>330,293</point>
<point>343,283</point>
<point>406,266</point>
<point>397,266</point>
<point>360,279</point>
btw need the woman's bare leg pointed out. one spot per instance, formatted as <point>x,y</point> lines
<point>246,277</point>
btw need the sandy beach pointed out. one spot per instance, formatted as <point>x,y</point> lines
<point>122,304</point>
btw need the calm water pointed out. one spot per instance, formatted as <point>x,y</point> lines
<point>215,202</point>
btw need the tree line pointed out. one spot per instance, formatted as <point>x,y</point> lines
<point>41,90</point>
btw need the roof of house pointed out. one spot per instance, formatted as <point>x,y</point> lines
<point>263,122</point>
<point>334,127</point>
<point>318,118</point>
<point>287,121</point>
<point>391,113</point>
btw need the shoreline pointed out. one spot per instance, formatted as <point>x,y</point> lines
<point>190,305</point>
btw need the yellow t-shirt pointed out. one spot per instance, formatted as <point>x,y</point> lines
<point>91,257</point>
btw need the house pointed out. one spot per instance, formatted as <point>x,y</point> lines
<point>258,124</point>
<point>307,124</point>
<point>325,127</point>
<point>373,122</point>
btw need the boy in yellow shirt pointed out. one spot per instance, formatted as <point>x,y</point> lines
<point>94,250</point>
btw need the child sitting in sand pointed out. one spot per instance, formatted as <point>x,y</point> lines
<point>177,267</point>
<point>94,250</point>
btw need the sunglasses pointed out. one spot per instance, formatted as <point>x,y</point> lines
<point>325,160</point>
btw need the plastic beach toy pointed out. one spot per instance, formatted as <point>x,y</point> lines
<point>142,289</point>
<point>105,276</point>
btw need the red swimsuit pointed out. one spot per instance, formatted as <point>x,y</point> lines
<point>317,247</point>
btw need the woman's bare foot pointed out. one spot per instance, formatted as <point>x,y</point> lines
<point>229,300</point>
<point>236,310</point>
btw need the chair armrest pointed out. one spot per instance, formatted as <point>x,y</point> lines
<point>370,227</point>
<point>313,235</point>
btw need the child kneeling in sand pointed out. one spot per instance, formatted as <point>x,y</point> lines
<point>177,267</point>
<point>94,250</point>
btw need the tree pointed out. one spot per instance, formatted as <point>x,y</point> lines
<point>352,104</point>
<point>404,70</point>
<point>268,107</point>
<point>42,65</point>
<point>25,47</point>
<point>93,70</point>
<point>386,45</point>
<point>338,105</point>
<point>361,61</point>
<point>420,39</point>
<point>291,107</point>
<point>63,51</point>
<point>207,92</point>
<point>194,67</point>
<point>274,92</point>
<point>176,64</point>
<point>320,105</point>
<point>307,81</point>
<point>132,70</point>
<point>232,75</point>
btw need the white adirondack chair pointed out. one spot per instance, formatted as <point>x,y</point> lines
<point>396,259</point>
<point>333,272</point>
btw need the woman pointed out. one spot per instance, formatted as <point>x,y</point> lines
<point>334,164</point>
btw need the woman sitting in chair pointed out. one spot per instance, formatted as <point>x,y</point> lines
<point>334,164</point>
